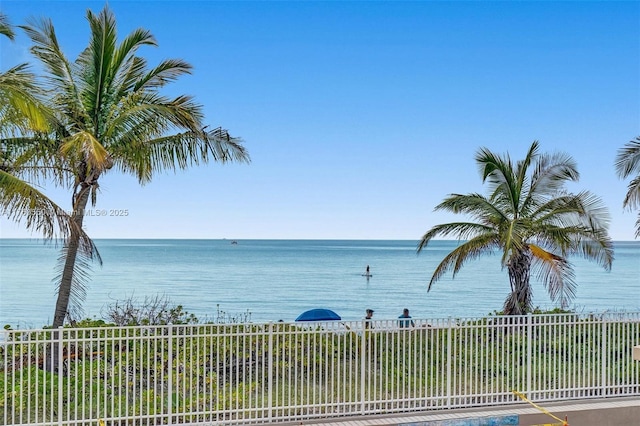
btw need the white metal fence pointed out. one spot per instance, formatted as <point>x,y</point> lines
<point>259,373</point>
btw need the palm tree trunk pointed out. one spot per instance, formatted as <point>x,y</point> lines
<point>520,300</point>
<point>71,248</point>
<point>64,291</point>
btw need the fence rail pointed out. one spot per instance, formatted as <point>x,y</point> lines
<point>271,372</point>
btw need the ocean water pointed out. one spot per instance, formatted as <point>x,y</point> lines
<point>270,280</point>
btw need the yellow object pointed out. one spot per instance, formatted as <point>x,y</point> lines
<point>551,424</point>
<point>545,411</point>
<point>101,422</point>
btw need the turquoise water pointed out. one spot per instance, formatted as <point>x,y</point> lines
<point>279,279</point>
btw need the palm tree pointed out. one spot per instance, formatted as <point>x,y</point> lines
<point>22,117</point>
<point>109,114</point>
<point>531,218</point>
<point>628,163</point>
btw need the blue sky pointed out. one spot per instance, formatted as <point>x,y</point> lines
<point>360,117</point>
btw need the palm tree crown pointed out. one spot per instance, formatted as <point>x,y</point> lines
<point>530,217</point>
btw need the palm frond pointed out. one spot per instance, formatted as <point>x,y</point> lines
<point>521,185</point>
<point>128,47</point>
<point>582,209</point>
<point>632,198</point>
<point>100,64</point>
<point>20,202</point>
<point>83,147</point>
<point>61,75</point>
<point>576,224</point>
<point>498,173</point>
<point>34,159</point>
<point>167,71</point>
<point>225,148</point>
<point>598,248</point>
<point>142,116</point>
<point>459,230</point>
<point>178,151</point>
<point>22,106</point>
<point>5,27</point>
<point>628,159</point>
<point>470,250</point>
<point>522,167</point>
<point>474,205</point>
<point>492,165</point>
<point>551,173</point>
<point>46,48</point>
<point>628,163</point>
<point>556,273</point>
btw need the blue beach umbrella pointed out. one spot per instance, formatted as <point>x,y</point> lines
<point>318,315</point>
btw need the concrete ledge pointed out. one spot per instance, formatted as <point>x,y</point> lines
<point>590,412</point>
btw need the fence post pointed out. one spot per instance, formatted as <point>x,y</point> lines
<point>270,372</point>
<point>60,374</point>
<point>603,355</point>
<point>449,357</point>
<point>170,374</point>
<point>363,348</point>
<point>529,353</point>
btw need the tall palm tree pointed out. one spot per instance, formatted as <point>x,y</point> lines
<point>627,164</point>
<point>110,115</point>
<point>22,117</point>
<point>530,217</point>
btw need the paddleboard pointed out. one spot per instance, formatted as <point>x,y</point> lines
<point>367,275</point>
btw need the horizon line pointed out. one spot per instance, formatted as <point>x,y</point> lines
<point>258,239</point>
